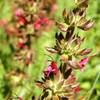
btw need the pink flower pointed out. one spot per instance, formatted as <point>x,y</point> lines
<point>40,22</point>
<point>52,68</point>
<point>19,12</point>
<point>83,62</point>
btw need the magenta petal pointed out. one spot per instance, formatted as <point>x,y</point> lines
<point>51,68</point>
<point>18,12</point>
<point>84,61</point>
<point>54,67</point>
<point>46,73</point>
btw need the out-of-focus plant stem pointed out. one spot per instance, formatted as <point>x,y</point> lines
<point>95,82</point>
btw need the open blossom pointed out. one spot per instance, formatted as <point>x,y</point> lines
<point>63,85</point>
<point>83,62</point>
<point>19,12</point>
<point>51,68</point>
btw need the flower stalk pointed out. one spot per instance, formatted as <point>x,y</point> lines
<point>59,81</point>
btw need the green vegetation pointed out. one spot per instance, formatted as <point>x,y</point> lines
<point>23,84</point>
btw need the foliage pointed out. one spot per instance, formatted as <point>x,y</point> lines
<point>17,78</point>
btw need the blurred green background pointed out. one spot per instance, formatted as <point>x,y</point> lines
<point>27,87</point>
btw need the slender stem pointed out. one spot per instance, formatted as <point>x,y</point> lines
<point>90,92</point>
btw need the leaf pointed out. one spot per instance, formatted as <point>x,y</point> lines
<point>51,76</point>
<point>63,98</point>
<point>59,37</point>
<point>45,94</point>
<point>43,79</point>
<point>64,67</point>
<point>58,47</point>
<point>70,18</point>
<point>60,68</point>
<point>83,3</point>
<point>69,32</point>
<point>76,10</point>
<point>79,12</point>
<point>67,73</point>
<point>64,13</point>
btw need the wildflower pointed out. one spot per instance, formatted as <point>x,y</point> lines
<point>67,47</point>
<point>76,17</point>
<point>22,20</point>
<point>63,85</point>
<point>19,12</point>
<point>83,62</point>
<point>51,68</point>
<point>41,22</point>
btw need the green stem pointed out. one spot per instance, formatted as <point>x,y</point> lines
<point>90,92</point>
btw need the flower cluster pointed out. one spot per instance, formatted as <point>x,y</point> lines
<point>76,17</point>
<point>29,20</point>
<point>59,82</point>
